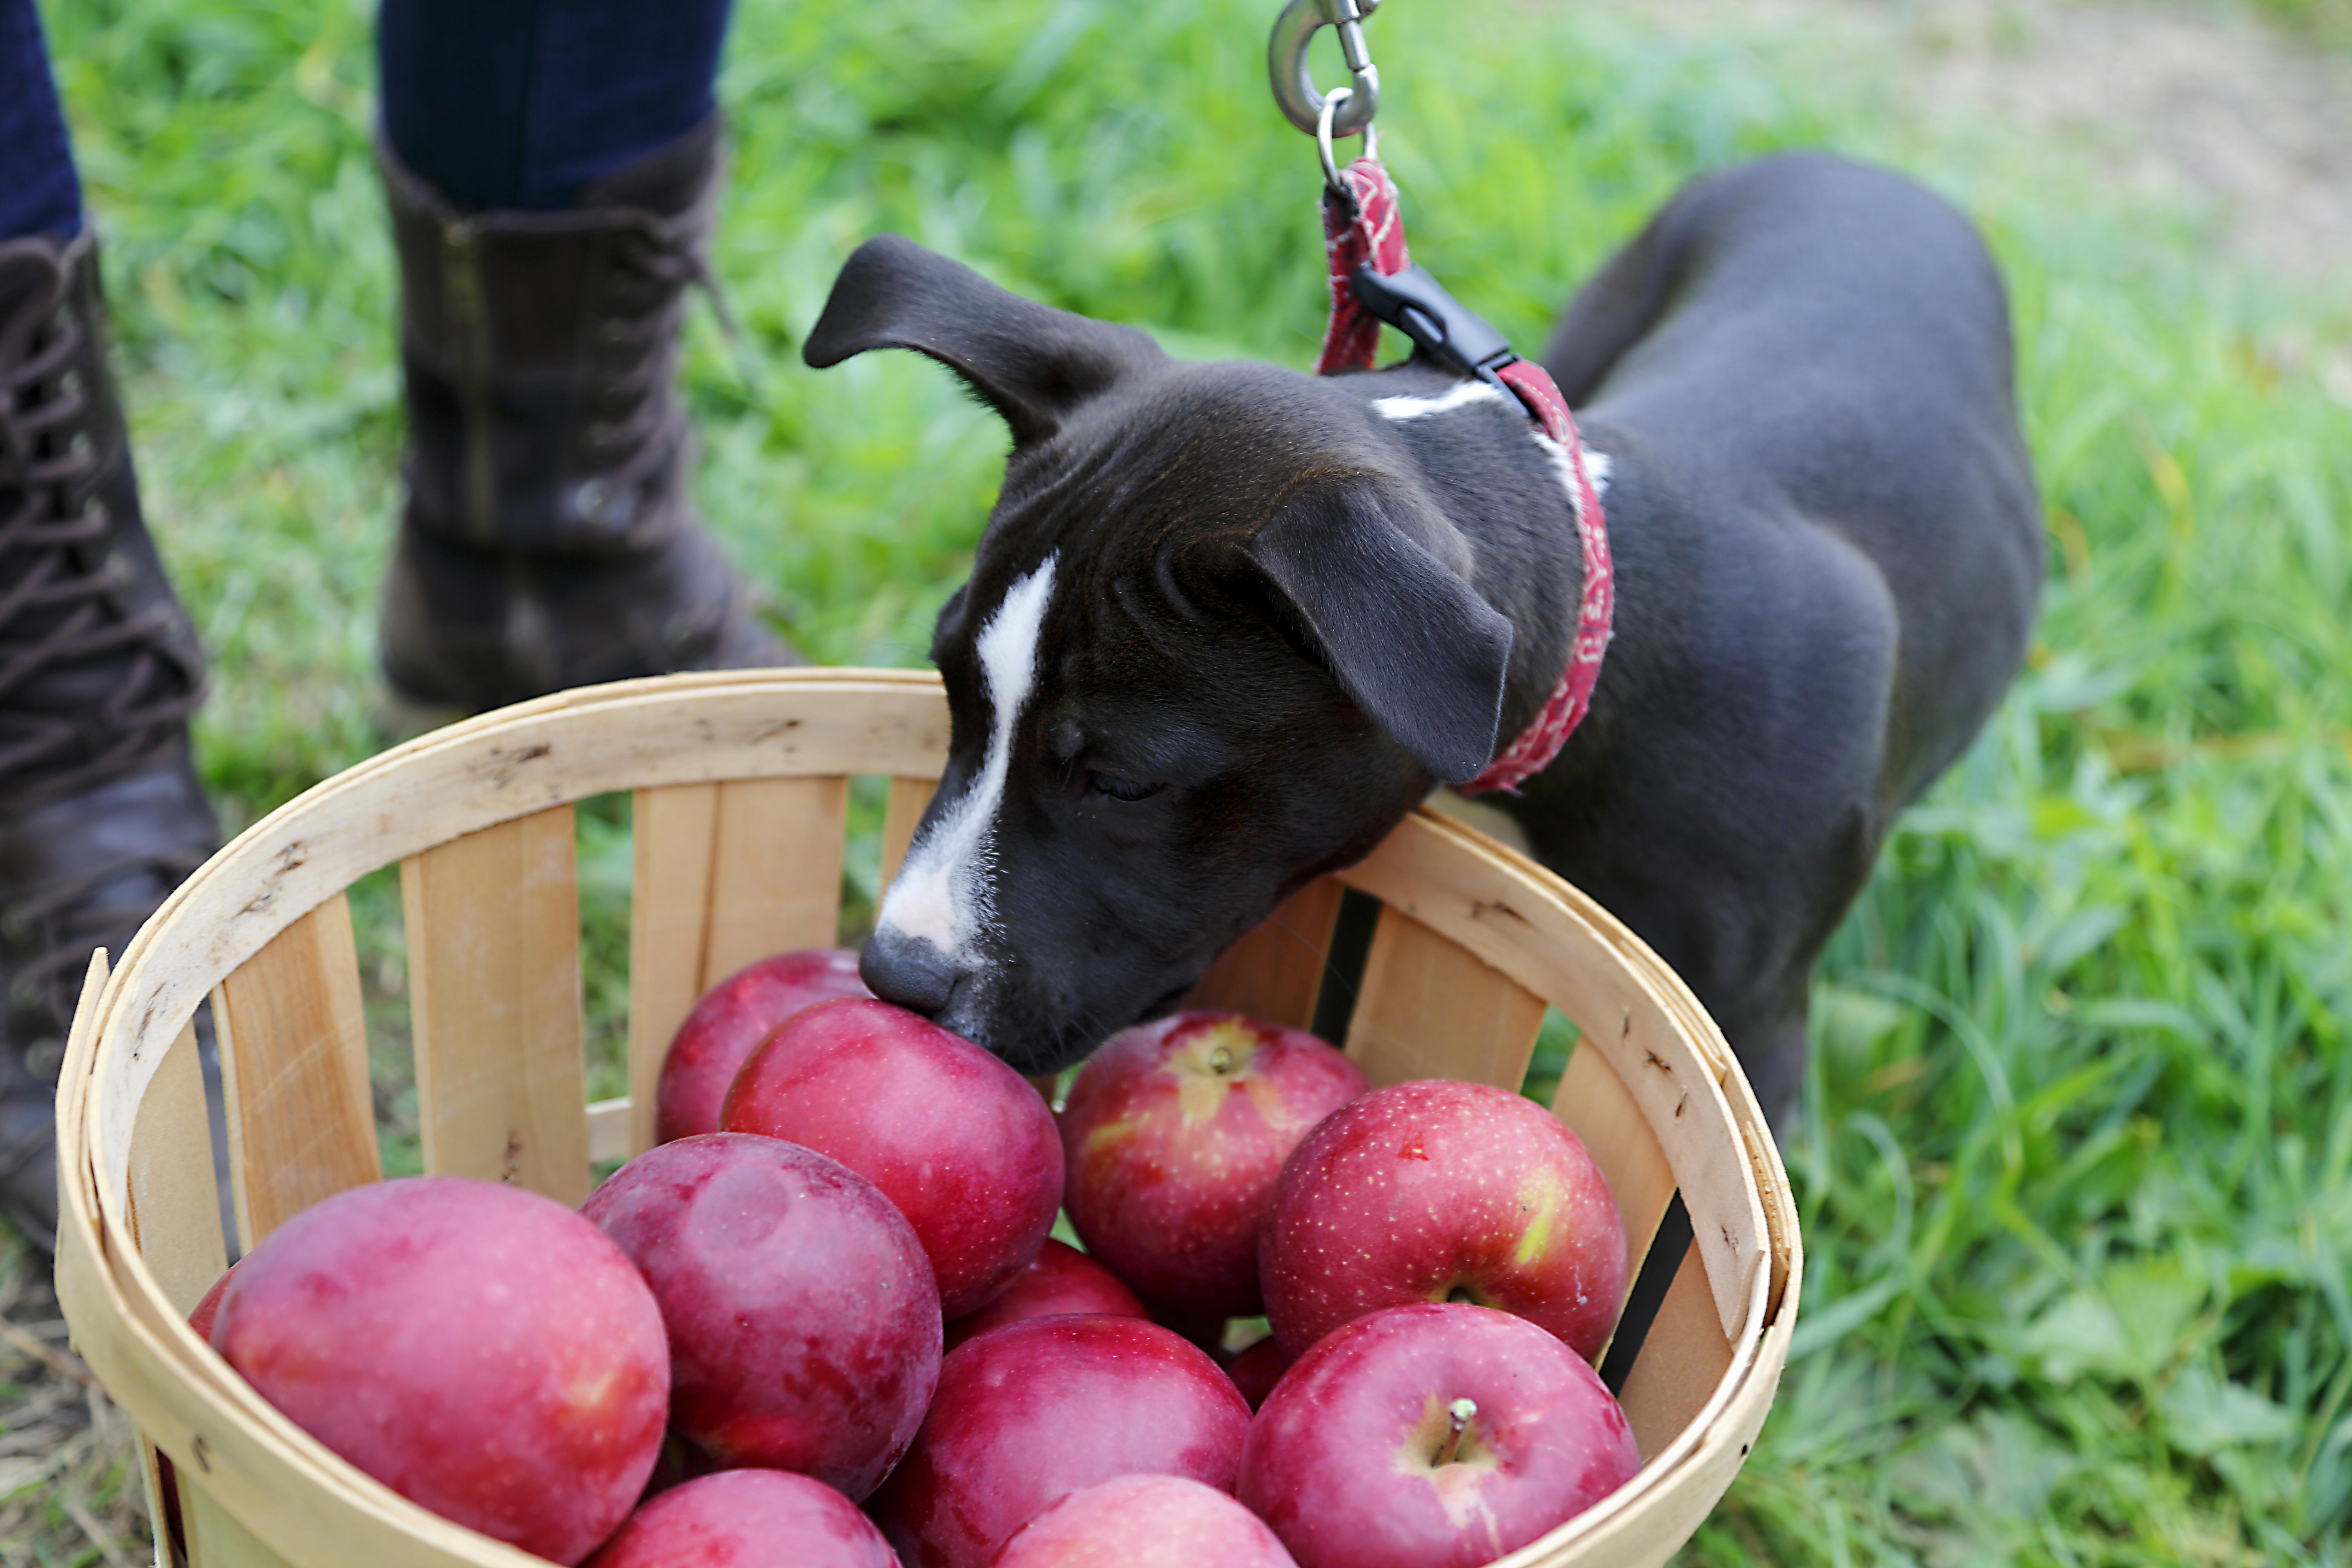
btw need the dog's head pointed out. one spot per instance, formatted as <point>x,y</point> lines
<point>1217,639</point>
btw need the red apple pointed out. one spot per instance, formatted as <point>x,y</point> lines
<point>959,1141</point>
<point>207,1306</point>
<point>741,1519</point>
<point>1434,1436</point>
<point>1173,1136</point>
<point>1059,1281</point>
<point>804,1326</point>
<point>1030,1412</point>
<point>1145,1521</point>
<point>728,1025</point>
<point>1439,1191</point>
<point>482,1350</point>
<point>1256,1370</point>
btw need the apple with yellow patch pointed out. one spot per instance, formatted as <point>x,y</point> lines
<point>1172,1140</point>
<point>1439,1191</point>
<point>1434,1435</point>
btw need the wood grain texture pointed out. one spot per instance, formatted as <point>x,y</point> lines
<point>293,1046</point>
<point>672,829</point>
<point>216,1538</point>
<point>900,814</point>
<point>1596,1106</point>
<point>493,922</point>
<point>1682,1361</point>
<point>1276,971</point>
<point>776,873</point>
<point>174,1203</point>
<point>1429,1008</point>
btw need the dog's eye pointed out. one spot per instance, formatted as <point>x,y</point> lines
<point>1119,788</point>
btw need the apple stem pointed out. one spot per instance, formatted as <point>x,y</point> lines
<point>1221,1061</point>
<point>1460,1412</point>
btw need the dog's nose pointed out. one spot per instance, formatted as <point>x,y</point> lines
<point>907,971</point>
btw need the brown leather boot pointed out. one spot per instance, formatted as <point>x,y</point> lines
<point>549,537</point>
<point>100,814</point>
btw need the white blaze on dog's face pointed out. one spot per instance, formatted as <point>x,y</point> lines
<point>945,893</point>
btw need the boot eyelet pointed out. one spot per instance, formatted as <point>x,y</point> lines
<point>69,384</point>
<point>79,445</point>
<point>94,510</point>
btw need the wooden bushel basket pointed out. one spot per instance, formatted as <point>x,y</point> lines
<point>741,783</point>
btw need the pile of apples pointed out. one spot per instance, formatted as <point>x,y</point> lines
<point>832,1286</point>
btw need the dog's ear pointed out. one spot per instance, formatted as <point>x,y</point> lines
<point>1411,641</point>
<point>1028,362</point>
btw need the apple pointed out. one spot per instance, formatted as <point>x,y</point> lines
<point>803,1325</point>
<point>1257,1369</point>
<point>1438,1191</point>
<point>728,1025</point>
<point>1434,1436</point>
<point>1059,1281</point>
<point>739,1519</point>
<point>207,1306</point>
<point>482,1351</point>
<point>1173,1136</point>
<point>1145,1521</point>
<point>1029,1413</point>
<point>959,1141</point>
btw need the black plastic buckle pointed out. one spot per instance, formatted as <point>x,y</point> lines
<point>1417,305</point>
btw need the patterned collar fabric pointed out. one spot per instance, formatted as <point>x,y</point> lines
<point>1363,226</point>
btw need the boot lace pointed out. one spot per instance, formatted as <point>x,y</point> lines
<point>650,424</point>
<point>56,601</point>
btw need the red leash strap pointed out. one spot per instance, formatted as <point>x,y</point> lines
<point>1363,225</point>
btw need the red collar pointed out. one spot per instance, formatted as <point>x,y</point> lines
<point>1364,228</point>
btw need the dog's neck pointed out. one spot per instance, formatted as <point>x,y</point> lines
<point>1508,489</point>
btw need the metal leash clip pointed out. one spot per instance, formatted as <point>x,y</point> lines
<point>1347,109</point>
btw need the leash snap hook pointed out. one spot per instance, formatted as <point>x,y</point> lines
<point>1323,134</point>
<point>1294,86</point>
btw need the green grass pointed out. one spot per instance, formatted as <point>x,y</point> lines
<point>2075,1155</point>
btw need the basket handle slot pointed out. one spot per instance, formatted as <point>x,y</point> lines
<point>493,923</point>
<point>294,1071</point>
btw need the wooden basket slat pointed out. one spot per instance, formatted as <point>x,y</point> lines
<point>1682,1361</point>
<point>775,882</point>
<point>672,829</point>
<point>294,1069</point>
<point>1276,971</point>
<point>1596,1106</point>
<point>724,874</point>
<point>175,1205</point>
<point>1427,1008</point>
<point>900,814</point>
<point>216,1538</point>
<point>493,922</point>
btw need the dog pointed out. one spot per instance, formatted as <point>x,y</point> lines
<point>1228,622</point>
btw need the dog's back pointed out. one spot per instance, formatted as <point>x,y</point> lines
<point>1828,548</point>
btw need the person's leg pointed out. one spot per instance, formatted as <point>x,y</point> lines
<point>100,814</point>
<point>39,193</point>
<point>553,170</point>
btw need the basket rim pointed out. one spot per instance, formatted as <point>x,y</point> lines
<point>99,1095</point>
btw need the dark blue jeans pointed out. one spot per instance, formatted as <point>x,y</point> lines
<point>500,103</point>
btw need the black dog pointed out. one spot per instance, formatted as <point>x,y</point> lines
<point>1228,622</point>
